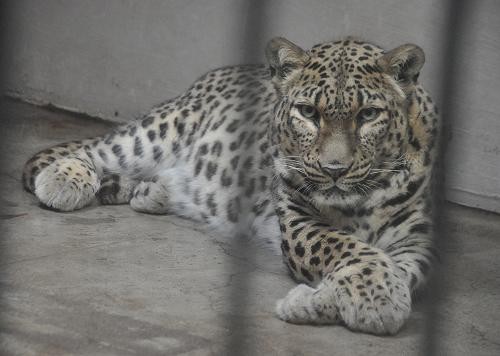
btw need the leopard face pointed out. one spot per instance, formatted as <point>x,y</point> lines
<point>342,117</point>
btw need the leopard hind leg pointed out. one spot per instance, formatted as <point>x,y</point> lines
<point>116,189</point>
<point>68,183</point>
<point>172,191</point>
<point>45,158</point>
<point>151,197</point>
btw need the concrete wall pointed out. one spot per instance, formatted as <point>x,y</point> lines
<point>116,58</point>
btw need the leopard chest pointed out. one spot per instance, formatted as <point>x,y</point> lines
<point>364,223</point>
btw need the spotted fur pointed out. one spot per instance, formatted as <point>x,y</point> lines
<point>326,154</point>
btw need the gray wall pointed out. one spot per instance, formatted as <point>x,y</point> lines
<point>116,58</point>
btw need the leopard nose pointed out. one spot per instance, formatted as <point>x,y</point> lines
<point>336,170</point>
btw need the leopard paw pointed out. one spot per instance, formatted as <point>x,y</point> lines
<point>116,189</point>
<point>371,297</point>
<point>299,307</point>
<point>67,184</point>
<point>150,197</point>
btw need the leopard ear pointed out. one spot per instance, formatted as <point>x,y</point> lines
<point>285,61</point>
<point>403,64</point>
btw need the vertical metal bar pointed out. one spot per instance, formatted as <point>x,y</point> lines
<point>452,41</point>
<point>5,10</point>
<point>240,340</point>
<point>5,7</point>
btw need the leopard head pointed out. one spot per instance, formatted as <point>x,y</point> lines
<point>341,123</point>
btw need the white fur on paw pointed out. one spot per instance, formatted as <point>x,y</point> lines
<point>297,306</point>
<point>150,197</point>
<point>380,306</point>
<point>66,185</point>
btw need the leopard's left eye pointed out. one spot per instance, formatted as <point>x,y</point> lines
<point>368,114</point>
<point>308,111</point>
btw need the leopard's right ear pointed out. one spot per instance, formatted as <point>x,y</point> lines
<point>285,62</point>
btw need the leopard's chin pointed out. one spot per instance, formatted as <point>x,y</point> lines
<point>336,190</point>
<point>333,188</point>
<point>337,198</point>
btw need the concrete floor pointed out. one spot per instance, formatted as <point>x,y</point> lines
<point>110,281</point>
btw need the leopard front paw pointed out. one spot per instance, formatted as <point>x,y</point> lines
<point>299,307</point>
<point>371,297</point>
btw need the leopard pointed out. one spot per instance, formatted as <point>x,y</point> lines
<point>325,155</point>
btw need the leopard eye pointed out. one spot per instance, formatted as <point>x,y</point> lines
<point>308,111</point>
<point>368,114</point>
